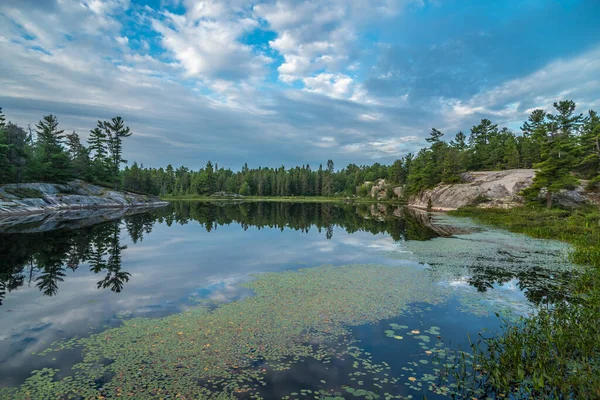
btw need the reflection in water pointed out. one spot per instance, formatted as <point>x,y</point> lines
<point>42,258</point>
<point>216,257</point>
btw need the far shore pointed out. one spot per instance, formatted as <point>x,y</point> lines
<point>285,199</point>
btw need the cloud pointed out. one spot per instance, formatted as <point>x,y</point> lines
<point>274,82</point>
<point>574,78</point>
<point>315,35</point>
<point>205,40</point>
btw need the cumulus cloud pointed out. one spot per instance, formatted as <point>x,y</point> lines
<point>274,82</point>
<point>205,40</point>
<point>314,35</point>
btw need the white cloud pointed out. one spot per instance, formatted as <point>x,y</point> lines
<point>334,85</point>
<point>205,40</point>
<point>314,35</point>
<point>122,40</point>
<point>512,101</point>
<point>326,142</point>
<point>381,148</point>
<point>211,93</point>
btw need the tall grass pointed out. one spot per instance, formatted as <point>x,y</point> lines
<point>556,352</point>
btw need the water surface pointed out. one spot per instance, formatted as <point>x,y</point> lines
<point>307,300</point>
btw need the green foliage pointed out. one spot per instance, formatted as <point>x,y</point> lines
<point>553,354</point>
<point>245,189</point>
<point>556,133</point>
<point>557,144</point>
<point>52,156</point>
<point>589,146</point>
<point>363,190</point>
<point>115,131</point>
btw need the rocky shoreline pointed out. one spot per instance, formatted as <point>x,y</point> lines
<point>35,198</point>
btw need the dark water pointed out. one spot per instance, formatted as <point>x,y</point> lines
<point>80,280</point>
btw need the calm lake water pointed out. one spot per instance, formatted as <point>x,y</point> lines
<point>258,300</point>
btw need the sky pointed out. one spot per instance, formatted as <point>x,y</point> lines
<point>293,82</point>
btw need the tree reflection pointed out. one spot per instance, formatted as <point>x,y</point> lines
<point>42,258</point>
<point>46,256</point>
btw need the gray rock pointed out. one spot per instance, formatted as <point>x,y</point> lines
<point>497,189</point>
<point>379,190</point>
<point>567,198</point>
<point>483,188</point>
<point>75,195</point>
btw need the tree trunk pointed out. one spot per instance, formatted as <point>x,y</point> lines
<point>548,199</point>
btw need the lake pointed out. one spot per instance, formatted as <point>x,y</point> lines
<point>259,300</point>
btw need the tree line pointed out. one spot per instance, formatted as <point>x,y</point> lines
<point>47,154</point>
<point>564,146</point>
<point>561,144</point>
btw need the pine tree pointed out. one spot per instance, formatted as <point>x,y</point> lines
<point>80,157</point>
<point>210,178</point>
<point>5,166</point>
<point>115,131</point>
<point>2,120</point>
<point>558,160</point>
<point>534,134</point>
<point>54,161</point>
<point>98,148</point>
<point>479,141</point>
<point>589,143</point>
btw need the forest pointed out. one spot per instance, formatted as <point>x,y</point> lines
<point>562,144</point>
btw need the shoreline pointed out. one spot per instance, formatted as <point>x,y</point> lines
<point>57,208</point>
<point>284,199</point>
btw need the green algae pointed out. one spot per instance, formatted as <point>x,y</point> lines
<point>221,352</point>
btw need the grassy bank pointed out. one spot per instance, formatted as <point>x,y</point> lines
<point>283,199</point>
<point>556,353</point>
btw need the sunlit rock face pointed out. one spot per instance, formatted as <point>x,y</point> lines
<point>495,189</point>
<point>484,188</point>
<point>31,198</point>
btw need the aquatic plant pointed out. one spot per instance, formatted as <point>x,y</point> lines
<point>555,353</point>
<point>218,353</point>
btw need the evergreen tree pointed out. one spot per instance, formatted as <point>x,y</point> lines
<point>479,141</point>
<point>210,178</point>
<point>245,189</point>
<point>5,165</point>
<point>54,162</point>
<point>589,145</point>
<point>80,157</point>
<point>554,171</point>
<point>534,136</point>
<point>115,131</point>
<point>98,148</point>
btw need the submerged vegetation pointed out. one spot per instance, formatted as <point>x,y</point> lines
<point>554,353</point>
<point>293,316</point>
<point>580,227</point>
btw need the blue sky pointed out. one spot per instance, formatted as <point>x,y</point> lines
<point>293,82</point>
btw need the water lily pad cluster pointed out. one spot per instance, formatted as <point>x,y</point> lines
<point>229,350</point>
